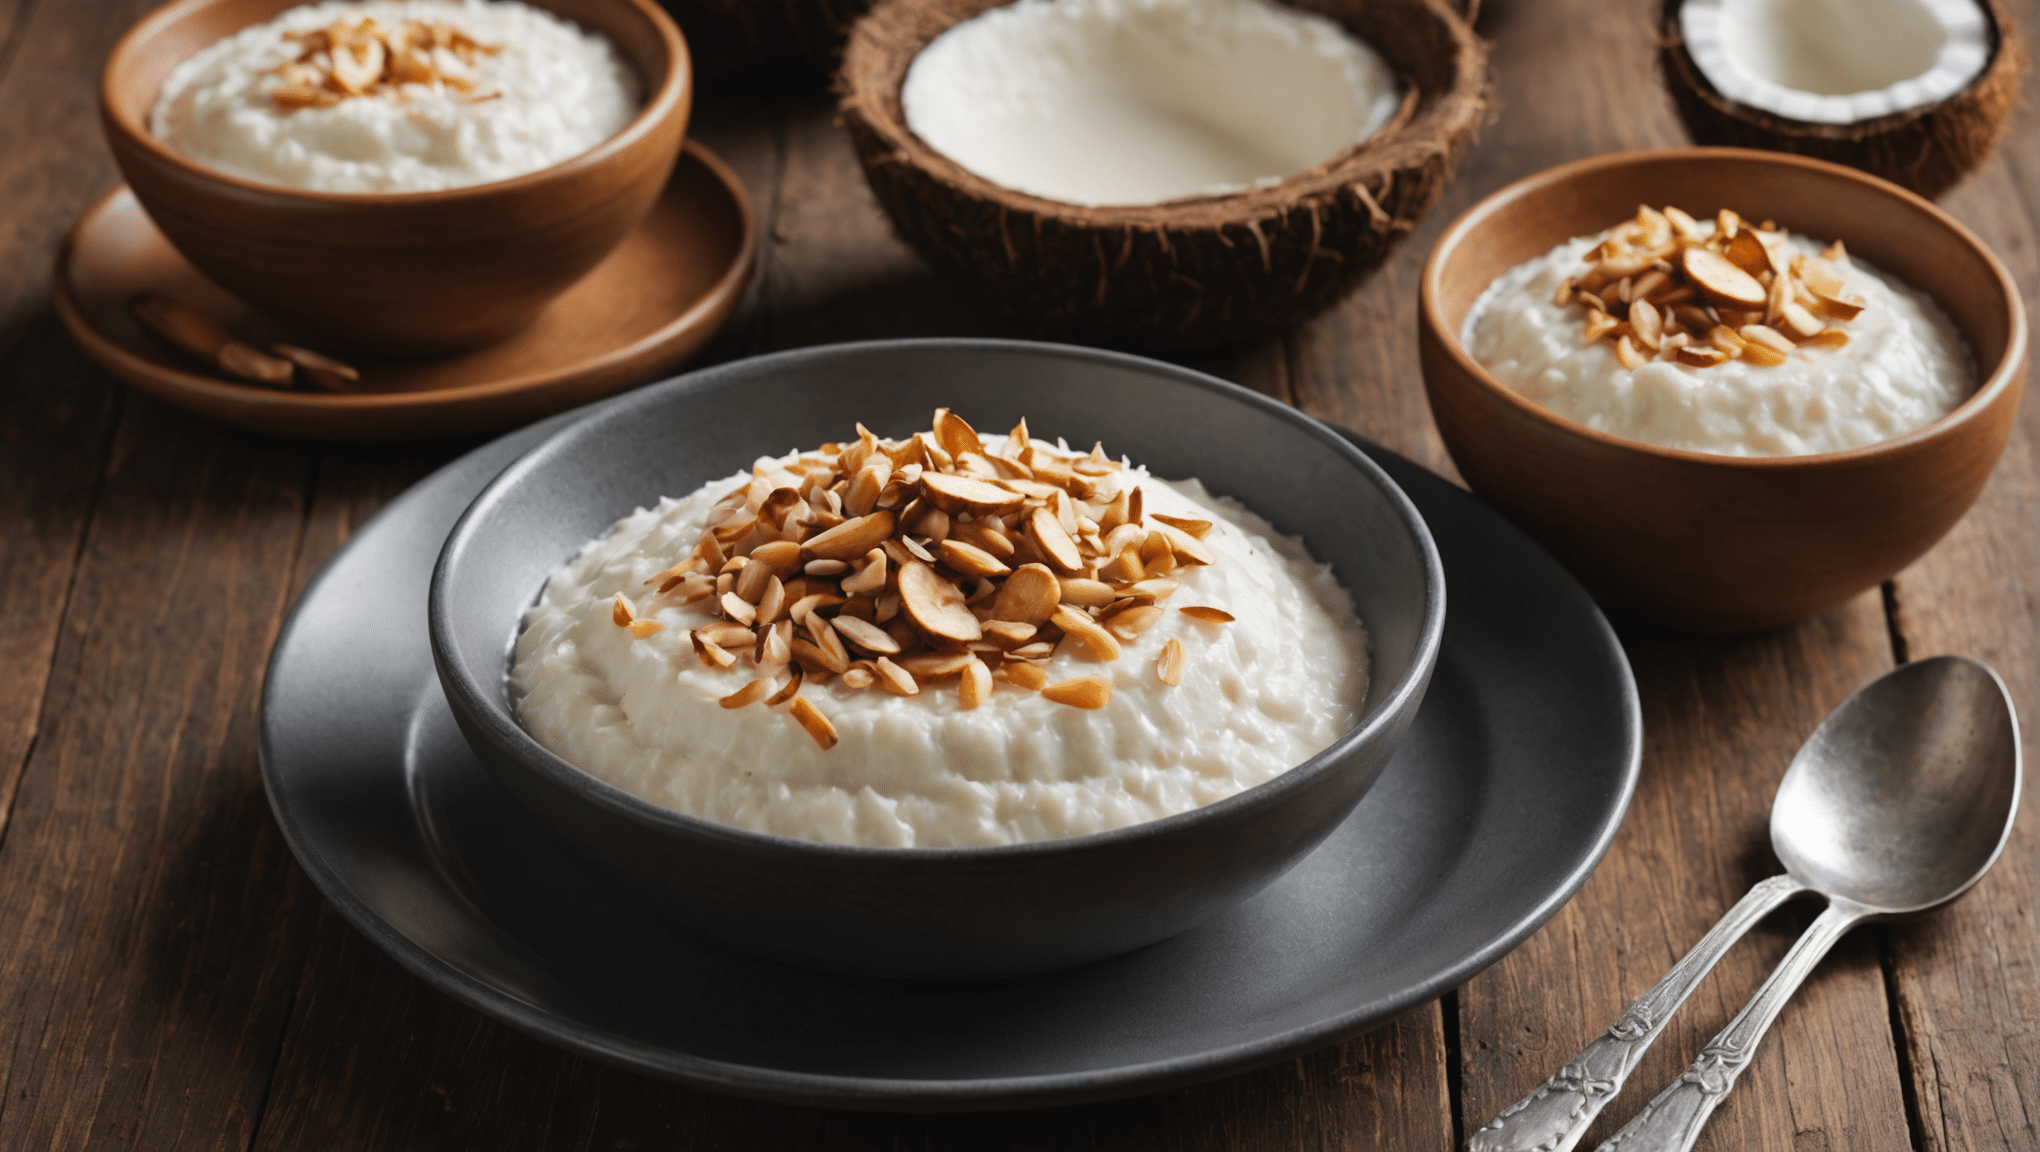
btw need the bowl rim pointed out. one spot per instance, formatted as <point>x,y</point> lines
<point>486,707</point>
<point>675,91</point>
<point>1394,146</point>
<point>2006,374</point>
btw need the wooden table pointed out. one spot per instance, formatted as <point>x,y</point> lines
<point>170,979</point>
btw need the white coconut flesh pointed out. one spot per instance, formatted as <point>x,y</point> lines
<point>1121,102</point>
<point>1837,61</point>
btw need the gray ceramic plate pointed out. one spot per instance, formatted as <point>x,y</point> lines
<point>1493,813</point>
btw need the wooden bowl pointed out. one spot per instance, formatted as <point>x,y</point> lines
<point>1701,541</point>
<point>1196,272</point>
<point>418,272</point>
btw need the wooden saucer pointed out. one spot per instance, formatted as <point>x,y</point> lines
<point>649,305</point>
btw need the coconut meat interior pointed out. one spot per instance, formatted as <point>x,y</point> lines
<point>1837,61</point>
<point>1122,102</point>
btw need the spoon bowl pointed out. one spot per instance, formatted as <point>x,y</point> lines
<point>1903,798</point>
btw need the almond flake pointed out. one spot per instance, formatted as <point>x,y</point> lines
<point>817,725</point>
<point>711,652</point>
<point>852,537</point>
<point>1029,676</point>
<point>1208,615</point>
<point>1055,543</point>
<point>1628,355</point>
<point>975,685</point>
<point>867,636</point>
<point>750,693</point>
<point>1086,631</point>
<point>970,560</point>
<point>1134,621</point>
<point>1081,692</point>
<point>1827,338</point>
<point>936,665</point>
<point>1170,665</point>
<point>621,612</point>
<point>935,605</point>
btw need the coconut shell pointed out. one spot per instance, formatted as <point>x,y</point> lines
<point>1190,273</point>
<point>1928,149</point>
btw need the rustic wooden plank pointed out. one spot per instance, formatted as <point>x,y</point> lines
<point>1722,718</point>
<point>1966,981</point>
<point>55,410</point>
<point>156,925</point>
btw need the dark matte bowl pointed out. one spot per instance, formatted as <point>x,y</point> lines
<point>941,912</point>
<point>400,272</point>
<point>1705,542</point>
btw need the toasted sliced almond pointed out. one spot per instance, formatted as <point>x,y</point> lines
<point>739,609</point>
<point>1187,548</point>
<point>621,612</point>
<point>1029,676</point>
<point>726,634</point>
<point>1207,614</point>
<point>1726,339</point>
<point>1721,281</point>
<point>935,665</point>
<point>975,686</point>
<point>751,580</point>
<point>817,725</point>
<point>814,659</point>
<point>1626,353</point>
<point>711,652</point>
<point>1702,355</point>
<point>1081,692</point>
<point>773,601</point>
<point>1195,528</point>
<point>1085,593</point>
<point>961,494</point>
<point>1797,323</point>
<point>1835,251</point>
<point>1647,324</point>
<point>1693,316</point>
<point>1169,666</point>
<point>1028,596</point>
<point>750,693</point>
<point>1764,350</point>
<point>1836,308</point>
<point>1009,633</point>
<point>870,578</point>
<point>851,538</point>
<point>825,568</point>
<point>866,635</point>
<point>970,560</point>
<point>1827,338</point>
<point>644,628</point>
<point>955,434</point>
<point>1086,631</point>
<point>1134,621</point>
<point>935,605</point>
<point>1599,324</point>
<point>895,679</point>
<point>782,556</point>
<point>1055,544</point>
<point>1160,589</point>
<point>1747,252</point>
<point>791,690</point>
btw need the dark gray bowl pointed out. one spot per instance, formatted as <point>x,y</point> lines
<point>937,912</point>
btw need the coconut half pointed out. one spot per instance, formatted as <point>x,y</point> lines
<point>1271,224</point>
<point>1103,102</point>
<point>1915,91</point>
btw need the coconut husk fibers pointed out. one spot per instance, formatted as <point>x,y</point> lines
<point>1198,272</point>
<point>1928,150</point>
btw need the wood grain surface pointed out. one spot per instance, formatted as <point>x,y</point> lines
<point>172,980</point>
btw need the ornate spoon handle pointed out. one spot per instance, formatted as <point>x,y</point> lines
<point>1553,1118</point>
<point>1673,1121</point>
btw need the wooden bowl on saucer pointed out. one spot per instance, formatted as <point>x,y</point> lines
<point>416,272</point>
<point>1702,541</point>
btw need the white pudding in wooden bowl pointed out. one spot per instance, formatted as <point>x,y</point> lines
<point>1721,337</point>
<point>397,96</point>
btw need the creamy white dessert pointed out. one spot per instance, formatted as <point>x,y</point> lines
<point>1885,361</point>
<point>397,96</point>
<point>1102,102</point>
<point>623,691</point>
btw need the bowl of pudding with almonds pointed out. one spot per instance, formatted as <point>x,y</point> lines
<point>1729,389</point>
<point>407,176</point>
<point>870,687</point>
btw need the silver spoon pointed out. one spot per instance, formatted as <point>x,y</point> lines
<point>1898,803</point>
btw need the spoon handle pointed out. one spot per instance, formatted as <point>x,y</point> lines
<point>1552,1118</point>
<point>1672,1122</point>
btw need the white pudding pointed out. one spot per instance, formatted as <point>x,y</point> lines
<point>1836,61</point>
<point>1256,697</point>
<point>1101,102</point>
<point>1903,366</point>
<point>518,90</point>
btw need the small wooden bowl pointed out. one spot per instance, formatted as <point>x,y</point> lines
<point>1700,541</point>
<point>1197,272</point>
<point>418,272</point>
